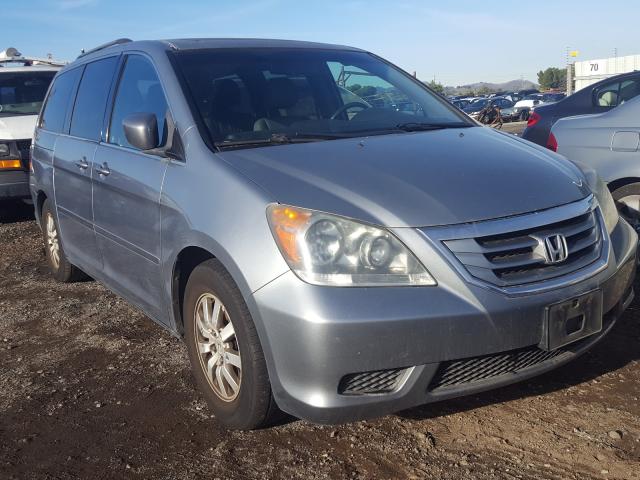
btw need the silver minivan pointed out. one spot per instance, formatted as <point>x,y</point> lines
<point>322,253</point>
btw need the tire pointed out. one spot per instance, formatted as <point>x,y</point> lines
<point>524,116</point>
<point>631,215</point>
<point>252,405</point>
<point>61,269</point>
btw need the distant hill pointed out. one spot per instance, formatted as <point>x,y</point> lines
<point>487,87</point>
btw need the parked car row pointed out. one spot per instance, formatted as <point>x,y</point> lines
<point>512,106</point>
<point>330,237</point>
<point>524,107</point>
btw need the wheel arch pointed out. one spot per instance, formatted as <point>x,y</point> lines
<point>621,182</point>
<point>40,199</point>
<point>186,261</point>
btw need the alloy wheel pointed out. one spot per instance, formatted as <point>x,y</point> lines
<point>218,347</point>
<point>53,243</point>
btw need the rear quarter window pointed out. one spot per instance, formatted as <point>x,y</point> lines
<point>60,96</point>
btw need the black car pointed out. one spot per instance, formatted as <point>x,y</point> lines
<point>597,98</point>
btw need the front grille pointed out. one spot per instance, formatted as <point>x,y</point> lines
<point>476,369</point>
<point>518,257</point>
<point>367,383</point>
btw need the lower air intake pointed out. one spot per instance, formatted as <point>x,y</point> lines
<point>368,383</point>
<point>476,369</point>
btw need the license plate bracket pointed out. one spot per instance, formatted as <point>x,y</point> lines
<point>571,320</point>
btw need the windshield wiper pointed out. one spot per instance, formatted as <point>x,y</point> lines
<point>278,139</point>
<point>423,127</point>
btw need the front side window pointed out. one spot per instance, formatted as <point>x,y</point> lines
<point>139,91</point>
<point>88,112</point>
<point>55,110</point>
<point>22,93</point>
<point>243,95</point>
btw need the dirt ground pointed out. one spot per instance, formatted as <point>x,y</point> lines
<point>90,388</point>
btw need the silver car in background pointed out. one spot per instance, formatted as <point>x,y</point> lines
<point>609,143</point>
<point>334,260</point>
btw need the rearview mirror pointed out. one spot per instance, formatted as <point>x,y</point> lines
<point>141,130</point>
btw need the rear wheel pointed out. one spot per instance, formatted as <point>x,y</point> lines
<point>61,269</point>
<point>224,350</point>
<point>627,200</point>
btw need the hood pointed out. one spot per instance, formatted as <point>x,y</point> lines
<point>415,179</point>
<point>19,127</point>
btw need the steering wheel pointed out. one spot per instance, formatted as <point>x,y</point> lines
<point>346,107</point>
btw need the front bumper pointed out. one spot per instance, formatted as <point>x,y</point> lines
<point>14,184</point>
<point>315,336</point>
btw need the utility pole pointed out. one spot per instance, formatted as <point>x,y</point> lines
<point>570,72</point>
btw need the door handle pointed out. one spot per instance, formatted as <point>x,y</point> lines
<point>82,164</point>
<point>103,169</point>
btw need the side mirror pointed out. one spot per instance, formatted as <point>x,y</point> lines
<point>141,130</point>
<point>536,102</point>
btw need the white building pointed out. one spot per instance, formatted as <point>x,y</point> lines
<point>590,71</point>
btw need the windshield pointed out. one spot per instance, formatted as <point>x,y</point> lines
<point>22,93</point>
<point>254,94</point>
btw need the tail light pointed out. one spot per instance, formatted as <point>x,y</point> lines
<point>552,143</point>
<point>533,119</point>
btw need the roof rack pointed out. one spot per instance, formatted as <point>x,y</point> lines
<point>11,55</point>
<point>118,41</point>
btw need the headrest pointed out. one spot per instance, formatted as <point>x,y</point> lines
<point>226,93</point>
<point>281,93</point>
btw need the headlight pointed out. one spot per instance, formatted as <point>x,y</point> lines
<point>9,157</point>
<point>605,200</point>
<point>325,249</point>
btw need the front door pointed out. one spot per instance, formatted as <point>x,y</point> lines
<point>126,195</point>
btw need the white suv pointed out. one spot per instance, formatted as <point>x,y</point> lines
<point>23,84</point>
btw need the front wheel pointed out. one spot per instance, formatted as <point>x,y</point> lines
<point>224,350</point>
<point>627,200</point>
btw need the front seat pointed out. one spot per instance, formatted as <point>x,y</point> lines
<point>224,114</point>
<point>282,96</point>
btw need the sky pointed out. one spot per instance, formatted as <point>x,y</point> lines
<point>454,42</point>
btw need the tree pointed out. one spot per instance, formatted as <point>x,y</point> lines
<point>438,87</point>
<point>552,77</point>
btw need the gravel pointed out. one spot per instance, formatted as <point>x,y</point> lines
<point>91,388</point>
